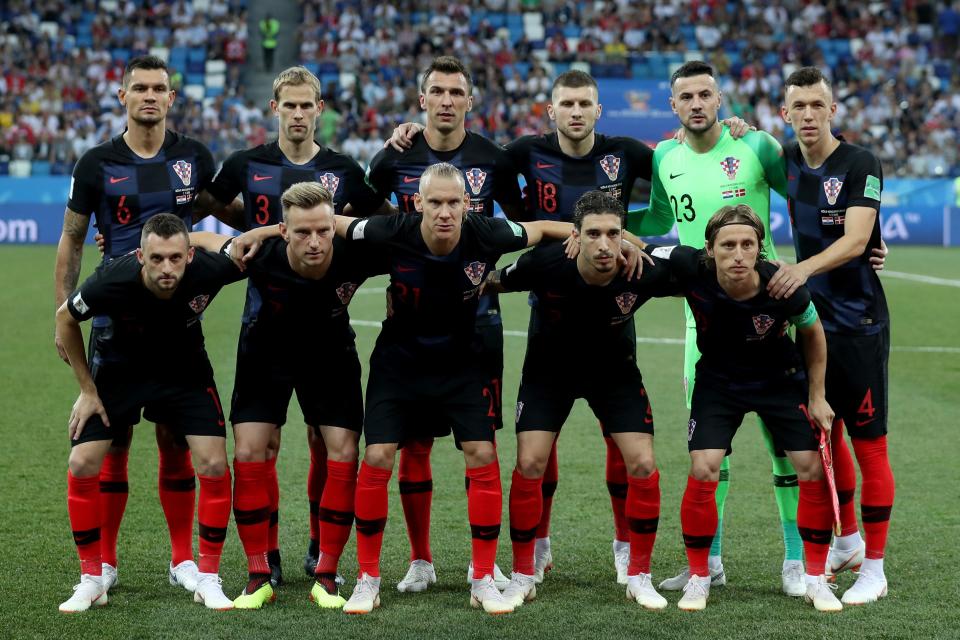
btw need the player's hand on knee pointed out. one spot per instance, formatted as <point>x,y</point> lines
<point>879,257</point>
<point>738,126</point>
<point>87,405</point>
<point>403,135</point>
<point>101,243</point>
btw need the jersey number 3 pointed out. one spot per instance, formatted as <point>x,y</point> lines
<point>687,213</point>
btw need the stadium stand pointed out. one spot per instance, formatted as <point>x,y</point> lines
<point>894,66</point>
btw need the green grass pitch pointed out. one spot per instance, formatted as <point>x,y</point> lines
<point>580,597</point>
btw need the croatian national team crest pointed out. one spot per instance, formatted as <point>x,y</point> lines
<point>345,292</point>
<point>626,301</point>
<point>183,169</point>
<point>610,165</point>
<point>475,271</point>
<point>330,182</point>
<point>832,188</point>
<point>691,427</point>
<point>730,165</point>
<point>762,323</point>
<point>475,178</point>
<point>199,303</point>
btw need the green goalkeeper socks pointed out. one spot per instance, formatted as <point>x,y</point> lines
<point>787,493</point>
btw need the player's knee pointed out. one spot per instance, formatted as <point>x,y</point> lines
<point>641,466</point>
<point>379,456</point>
<point>345,451</point>
<point>705,470</point>
<point>83,464</point>
<point>244,452</point>
<point>531,465</point>
<point>211,464</point>
<point>479,454</point>
<point>808,467</point>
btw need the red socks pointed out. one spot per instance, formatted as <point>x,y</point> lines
<point>83,505</point>
<point>526,503</point>
<point>617,486</point>
<point>876,493</point>
<point>698,520</point>
<point>548,488</point>
<point>643,515</point>
<point>316,479</point>
<point>113,501</point>
<point>814,516</point>
<point>415,479</point>
<point>335,514</point>
<point>371,516</point>
<point>845,477</point>
<point>177,489</point>
<point>273,495</point>
<point>251,510</point>
<point>484,503</point>
<point>214,515</point>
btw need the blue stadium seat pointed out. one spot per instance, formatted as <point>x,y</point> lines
<point>514,20</point>
<point>571,31</point>
<point>195,78</point>
<point>943,70</point>
<point>640,70</point>
<point>522,69</point>
<point>497,19</point>
<point>213,92</point>
<point>771,60</point>
<point>123,55</point>
<point>312,67</point>
<point>328,78</point>
<point>40,168</point>
<point>197,54</point>
<point>560,67</point>
<point>516,32</point>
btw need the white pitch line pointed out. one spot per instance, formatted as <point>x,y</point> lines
<point>677,341</point>
<point>920,278</point>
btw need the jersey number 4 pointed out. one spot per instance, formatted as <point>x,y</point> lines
<point>687,213</point>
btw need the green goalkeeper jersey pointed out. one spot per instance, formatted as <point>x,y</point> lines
<point>689,187</point>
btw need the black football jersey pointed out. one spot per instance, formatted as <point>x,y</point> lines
<point>555,180</point>
<point>148,331</point>
<point>263,173</point>
<point>123,190</point>
<point>434,298</point>
<point>577,321</point>
<point>849,298</point>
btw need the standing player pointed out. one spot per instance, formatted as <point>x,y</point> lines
<point>123,182</point>
<point>584,324</point>
<point>428,355</point>
<point>155,361</point>
<point>299,338</point>
<point>834,199</point>
<point>445,95</point>
<point>559,168</point>
<point>749,363</point>
<point>262,174</point>
<point>691,180</point>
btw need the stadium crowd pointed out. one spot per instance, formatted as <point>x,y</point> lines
<point>892,64</point>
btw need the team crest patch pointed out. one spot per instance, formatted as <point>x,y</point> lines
<point>730,165</point>
<point>625,301</point>
<point>519,410</point>
<point>345,292</point>
<point>475,271</point>
<point>183,169</point>
<point>832,188</point>
<point>475,178</point>
<point>199,303</point>
<point>330,182</point>
<point>610,165</point>
<point>691,427</point>
<point>762,323</point>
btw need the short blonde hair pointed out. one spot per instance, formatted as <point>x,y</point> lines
<point>295,77</point>
<point>305,195</point>
<point>441,170</point>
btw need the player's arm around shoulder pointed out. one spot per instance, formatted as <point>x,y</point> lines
<point>657,219</point>
<point>769,153</point>
<point>540,230</point>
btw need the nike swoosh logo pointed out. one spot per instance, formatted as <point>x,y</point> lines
<point>116,180</point>
<point>406,269</point>
<point>544,165</point>
<point>257,178</point>
<point>408,179</point>
<point>552,296</point>
<point>863,423</point>
<point>647,420</point>
<point>676,175</point>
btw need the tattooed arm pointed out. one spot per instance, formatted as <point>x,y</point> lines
<point>69,254</point>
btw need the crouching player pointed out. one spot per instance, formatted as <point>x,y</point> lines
<point>297,337</point>
<point>584,323</point>
<point>154,361</point>
<point>749,363</point>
